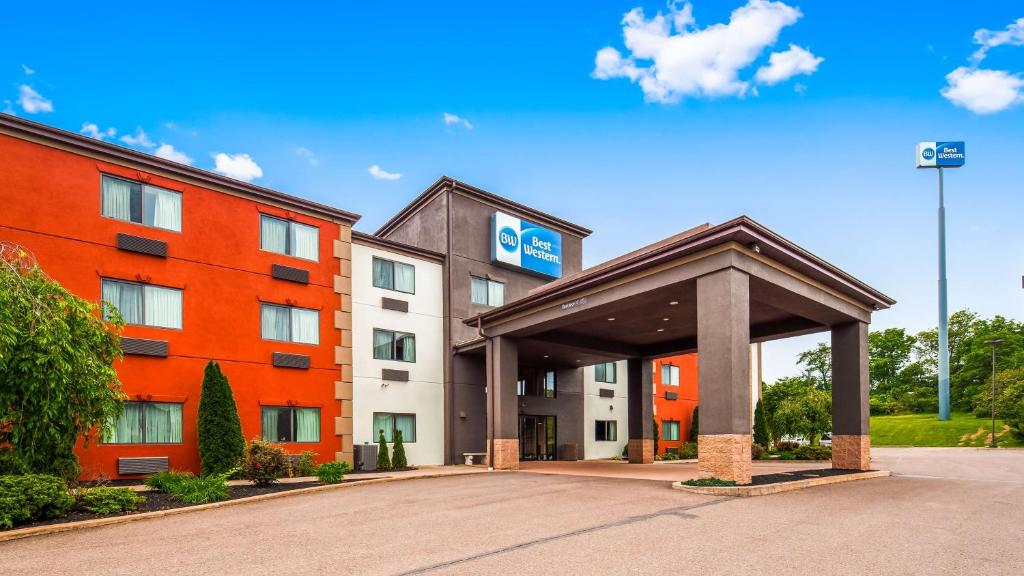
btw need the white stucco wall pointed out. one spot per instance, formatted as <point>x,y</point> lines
<point>597,408</point>
<point>423,394</point>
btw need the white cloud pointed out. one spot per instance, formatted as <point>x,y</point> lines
<point>379,173</point>
<point>308,155</point>
<point>238,166</point>
<point>140,139</point>
<point>692,61</point>
<point>93,131</point>
<point>28,71</point>
<point>33,102</point>
<point>988,39</point>
<point>452,119</point>
<point>784,65</point>
<point>167,152</point>
<point>983,91</point>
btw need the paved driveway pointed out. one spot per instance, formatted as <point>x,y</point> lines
<point>956,511</point>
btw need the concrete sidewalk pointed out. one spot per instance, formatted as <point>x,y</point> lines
<point>668,470</point>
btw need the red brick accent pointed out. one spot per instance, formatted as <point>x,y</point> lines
<point>851,452</point>
<point>641,451</point>
<point>506,454</point>
<point>725,456</point>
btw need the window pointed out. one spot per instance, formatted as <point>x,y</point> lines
<point>536,382</point>
<point>145,423</point>
<point>669,375</point>
<point>390,422</point>
<point>291,238</point>
<point>605,372</point>
<point>394,275</point>
<point>487,292</point>
<point>140,203</point>
<point>390,345</point>
<point>288,424</point>
<point>605,431</point>
<point>670,430</point>
<point>289,324</point>
<point>142,304</point>
<point>549,384</point>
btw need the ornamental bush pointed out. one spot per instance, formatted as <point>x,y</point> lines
<point>761,433</point>
<point>688,451</point>
<point>220,431</point>
<point>108,500</point>
<point>756,451</point>
<point>816,452</point>
<point>695,424</point>
<point>185,487</point>
<point>654,422</point>
<point>331,472</point>
<point>301,464</point>
<point>398,460</point>
<point>383,460</point>
<point>264,463</point>
<point>32,497</point>
<point>708,482</point>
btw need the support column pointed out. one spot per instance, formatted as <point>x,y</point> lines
<point>851,438</point>
<point>723,375</point>
<point>502,403</point>
<point>640,411</point>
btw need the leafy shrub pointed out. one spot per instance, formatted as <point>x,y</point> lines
<point>756,451</point>
<point>165,481</point>
<point>1010,400</point>
<point>383,460</point>
<point>331,472</point>
<point>185,487</point>
<point>695,424</point>
<point>220,431</point>
<point>32,497</point>
<point>813,453</point>
<point>708,482</point>
<point>264,463</point>
<point>787,456</point>
<point>617,457</point>
<point>108,500</point>
<point>398,459</point>
<point>787,446</point>
<point>301,464</point>
<point>667,456</point>
<point>688,451</point>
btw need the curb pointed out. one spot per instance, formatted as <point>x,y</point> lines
<point>20,533</point>
<point>746,491</point>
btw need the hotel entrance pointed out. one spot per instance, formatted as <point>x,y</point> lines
<point>536,437</point>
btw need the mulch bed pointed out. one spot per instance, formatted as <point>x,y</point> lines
<point>783,477</point>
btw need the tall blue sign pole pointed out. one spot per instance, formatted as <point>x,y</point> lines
<point>940,155</point>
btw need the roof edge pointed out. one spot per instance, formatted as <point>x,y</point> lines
<point>387,244</point>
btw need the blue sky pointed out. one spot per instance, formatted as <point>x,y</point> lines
<point>818,147</point>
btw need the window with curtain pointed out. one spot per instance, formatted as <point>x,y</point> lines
<point>289,238</point>
<point>606,431</point>
<point>391,345</point>
<point>145,423</point>
<point>389,422</point>
<point>669,375</point>
<point>486,292</point>
<point>142,304</point>
<point>140,203</point>
<point>290,424</point>
<point>670,430</point>
<point>605,372</point>
<point>289,324</point>
<point>391,275</point>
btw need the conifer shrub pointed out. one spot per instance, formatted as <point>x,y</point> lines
<point>221,444</point>
<point>383,460</point>
<point>398,460</point>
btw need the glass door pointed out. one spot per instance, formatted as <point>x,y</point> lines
<point>528,439</point>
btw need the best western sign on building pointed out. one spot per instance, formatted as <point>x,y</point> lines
<point>525,245</point>
<point>940,154</point>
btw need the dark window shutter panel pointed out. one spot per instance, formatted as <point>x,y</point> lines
<point>282,272</point>
<point>143,347</point>
<point>282,360</point>
<point>130,243</point>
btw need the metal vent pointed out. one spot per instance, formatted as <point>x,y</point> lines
<point>394,304</point>
<point>141,245</point>
<point>394,375</point>
<point>671,395</point>
<point>606,393</point>
<point>365,457</point>
<point>282,272</point>
<point>144,347</point>
<point>142,465</point>
<point>282,360</point>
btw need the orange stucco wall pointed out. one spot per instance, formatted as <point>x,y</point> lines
<point>50,204</point>
<point>680,409</point>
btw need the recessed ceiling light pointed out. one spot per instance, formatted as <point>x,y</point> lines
<point>545,355</point>
<point>612,319</point>
<point>673,303</point>
<point>665,318</point>
<point>577,360</point>
<point>661,329</point>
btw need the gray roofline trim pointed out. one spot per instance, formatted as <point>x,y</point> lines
<point>392,245</point>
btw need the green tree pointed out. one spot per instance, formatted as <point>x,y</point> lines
<point>808,415</point>
<point>761,434</point>
<point>383,460</point>
<point>221,444</point>
<point>57,381</point>
<point>657,433</point>
<point>695,424</point>
<point>398,459</point>
<point>817,366</point>
<point>1010,399</point>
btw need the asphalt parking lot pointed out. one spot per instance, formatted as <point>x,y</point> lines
<point>945,511</point>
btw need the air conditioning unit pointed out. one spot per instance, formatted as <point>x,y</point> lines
<point>365,456</point>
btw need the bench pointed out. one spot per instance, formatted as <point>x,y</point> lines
<point>469,456</point>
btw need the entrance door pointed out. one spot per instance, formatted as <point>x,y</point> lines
<point>536,437</point>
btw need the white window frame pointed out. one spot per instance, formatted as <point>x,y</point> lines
<point>142,309</point>
<point>142,203</point>
<point>289,249</point>
<point>394,265</point>
<point>614,373</point>
<point>489,283</point>
<point>291,310</point>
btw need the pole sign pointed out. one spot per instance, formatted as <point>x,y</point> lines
<point>525,245</point>
<point>940,154</point>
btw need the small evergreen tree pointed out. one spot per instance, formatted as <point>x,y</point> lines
<point>695,425</point>
<point>654,421</point>
<point>221,444</point>
<point>761,434</point>
<point>383,460</point>
<point>398,460</point>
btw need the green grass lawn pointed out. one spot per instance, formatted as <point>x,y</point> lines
<point>962,429</point>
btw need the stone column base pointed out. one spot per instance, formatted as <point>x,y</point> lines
<point>506,454</point>
<point>640,451</point>
<point>725,456</point>
<point>851,451</point>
